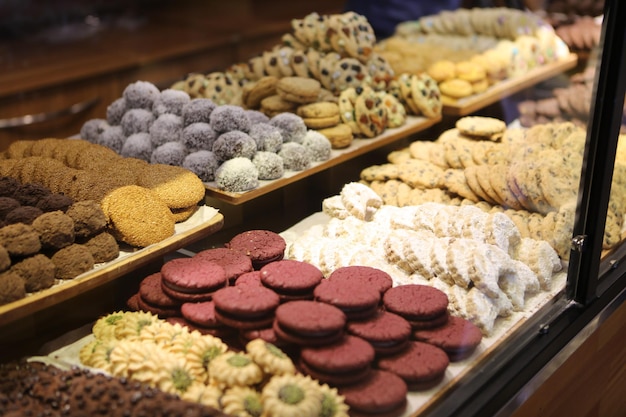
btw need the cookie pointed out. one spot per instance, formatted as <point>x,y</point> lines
<point>309,323</point>
<point>340,136</point>
<point>318,110</point>
<point>254,92</point>
<point>383,393</point>
<point>480,126</point>
<point>365,275</point>
<point>459,337</point>
<point>423,306</point>
<point>383,172</point>
<point>370,113</point>
<point>356,301</point>
<point>349,72</point>
<point>298,89</point>
<point>191,279</point>
<point>396,113</point>
<point>420,174</point>
<point>454,180</point>
<point>245,306</point>
<point>347,99</point>
<point>261,246</point>
<point>360,200</point>
<point>152,294</point>
<point>344,362</point>
<point>387,332</point>
<point>426,95</point>
<point>421,365</point>
<point>234,263</point>
<point>176,186</point>
<point>455,88</point>
<point>291,279</point>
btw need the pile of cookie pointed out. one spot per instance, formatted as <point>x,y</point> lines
<point>201,368</point>
<point>46,238</point>
<point>479,259</point>
<point>530,174</point>
<point>141,201</point>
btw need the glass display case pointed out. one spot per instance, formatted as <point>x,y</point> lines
<point>558,345</point>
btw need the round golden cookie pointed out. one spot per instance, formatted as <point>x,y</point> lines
<point>480,126</point>
<point>298,89</point>
<point>182,214</point>
<point>442,70</point>
<point>321,122</point>
<point>456,88</point>
<point>315,110</point>
<point>177,187</point>
<point>470,71</point>
<point>254,92</point>
<point>340,136</point>
<point>275,104</point>
<point>138,216</point>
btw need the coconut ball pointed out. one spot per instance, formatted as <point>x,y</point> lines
<point>234,144</point>
<point>198,110</point>
<point>269,164</point>
<point>138,146</point>
<point>166,128</point>
<point>267,137</point>
<point>295,156</point>
<point>112,137</point>
<point>91,129</point>
<point>116,110</point>
<point>140,95</point>
<point>291,126</point>
<point>237,175</point>
<point>198,136</point>
<point>202,163</point>
<point>229,117</point>
<point>136,120</point>
<point>256,116</point>
<point>318,145</point>
<point>170,101</point>
<point>170,153</point>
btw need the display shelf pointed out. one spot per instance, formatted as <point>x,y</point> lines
<point>496,92</point>
<point>204,222</point>
<point>358,147</point>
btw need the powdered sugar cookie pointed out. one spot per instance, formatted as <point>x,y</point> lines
<point>360,200</point>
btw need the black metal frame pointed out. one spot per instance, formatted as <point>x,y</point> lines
<point>592,284</point>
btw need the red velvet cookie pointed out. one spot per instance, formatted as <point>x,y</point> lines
<point>459,337</point>
<point>234,263</point>
<point>133,302</point>
<point>388,333</point>
<point>363,275</point>
<point>421,365</point>
<point>249,278</point>
<point>192,279</point>
<point>151,291</point>
<point>262,246</point>
<point>291,279</point>
<point>342,363</point>
<point>309,323</point>
<point>423,306</point>
<point>245,306</point>
<point>357,300</point>
<point>382,394</point>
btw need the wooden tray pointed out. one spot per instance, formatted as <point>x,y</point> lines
<point>495,93</point>
<point>338,156</point>
<point>204,222</point>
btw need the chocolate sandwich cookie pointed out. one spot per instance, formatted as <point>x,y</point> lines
<point>262,246</point>
<point>421,365</point>
<point>342,363</point>
<point>459,337</point>
<point>363,275</point>
<point>309,323</point>
<point>291,279</point>
<point>152,298</point>
<point>234,263</point>
<point>423,306</point>
<point>388,333</point>
<point>191,279</point>
<point>245,306</point>
<point>356,300</point>
<point>201,317</point>
<point>382,394</point>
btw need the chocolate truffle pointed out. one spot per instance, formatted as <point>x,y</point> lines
<point>56,230</point>
<point>23,214</point>
<point>7,204</point>
<point>103,247</point>
<point>11,287</point>
<point>88,217</point>
<point>20,239</point>
<point>55,201</point>
<point>37,271</point>
<point>30,193</point>
<point>71,261</point>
